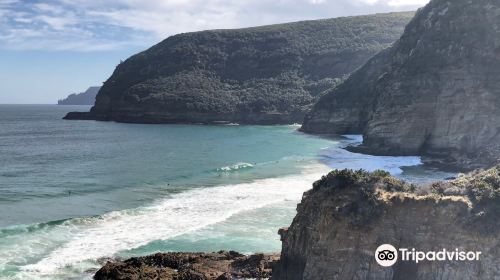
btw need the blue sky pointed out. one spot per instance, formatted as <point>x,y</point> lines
<point>49,49</point>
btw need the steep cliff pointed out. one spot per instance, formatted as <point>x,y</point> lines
<point>435,92</point>
<point>83,98</point>
<point>347,215</point>
<point>265,75</point>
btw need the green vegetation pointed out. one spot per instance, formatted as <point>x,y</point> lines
<point>364,180</point>
<point>277,69</point>
<point>482,188</point>
<point>359,193</point>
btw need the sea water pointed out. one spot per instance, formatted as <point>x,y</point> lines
<point>75,193</point>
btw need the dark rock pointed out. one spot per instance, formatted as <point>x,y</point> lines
<point>282,233</point>
<point>436,92</point>
<point>262,75</point>
<point>190,266</point>
<point>225,276</point>
<point>79,116</point>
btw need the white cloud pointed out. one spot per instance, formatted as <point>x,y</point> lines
<point>58,23</point>
<point>317,1</point>
<point>8,2</point>
<point>54,9</point>
<point>96,24</point>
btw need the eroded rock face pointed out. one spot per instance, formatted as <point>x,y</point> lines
<point>342,221</point>
<point>190,266</point>
<point>262,75</point>
<point>435,92</point>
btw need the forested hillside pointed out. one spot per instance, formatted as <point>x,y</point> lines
<point>270,74</point>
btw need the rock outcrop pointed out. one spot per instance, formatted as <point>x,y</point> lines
<point>347,215</point>
<point>262,75</point>
<point>83,98</point>
<point>190,266</point>
<point>435,92</point>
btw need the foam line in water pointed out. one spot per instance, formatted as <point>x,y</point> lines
<point>185,212</point>
<point>236,167</point>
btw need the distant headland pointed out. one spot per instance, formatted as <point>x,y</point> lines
<point>83,98</point>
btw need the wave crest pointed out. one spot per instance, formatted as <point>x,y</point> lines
<point>236,167</point>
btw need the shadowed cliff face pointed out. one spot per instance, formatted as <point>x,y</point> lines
<point>436,91</point>
<point>342,221</point>
<point>266,75</point>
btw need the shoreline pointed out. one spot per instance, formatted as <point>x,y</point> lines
<point>265,119</point>
<point>441,160</point>
<point>69,255</point>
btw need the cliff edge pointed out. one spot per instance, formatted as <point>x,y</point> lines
<point>347,215</point>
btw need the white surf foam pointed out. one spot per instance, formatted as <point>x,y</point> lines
<point>235,167</point>
<point>182,213</point>
<point>339,158</point>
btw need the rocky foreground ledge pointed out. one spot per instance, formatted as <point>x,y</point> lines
<point>345,217</point>
<point>341,222</point>
<point>190,266</point>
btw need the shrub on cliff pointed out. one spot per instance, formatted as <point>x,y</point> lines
<point>482,188</point>
<point>365,191</point>
<point>363,179</point>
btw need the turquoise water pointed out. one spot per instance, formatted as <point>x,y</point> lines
<point>74,193</point>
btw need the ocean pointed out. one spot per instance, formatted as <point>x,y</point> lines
<point>75,193</point>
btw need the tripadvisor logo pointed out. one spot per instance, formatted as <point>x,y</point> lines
<point>387,255</point>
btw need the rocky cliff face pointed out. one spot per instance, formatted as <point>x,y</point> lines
<point>435,92</point>
<point>265,75</point>
<point>347,215</point>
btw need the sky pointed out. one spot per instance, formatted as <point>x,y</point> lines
<point>49,49</point>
